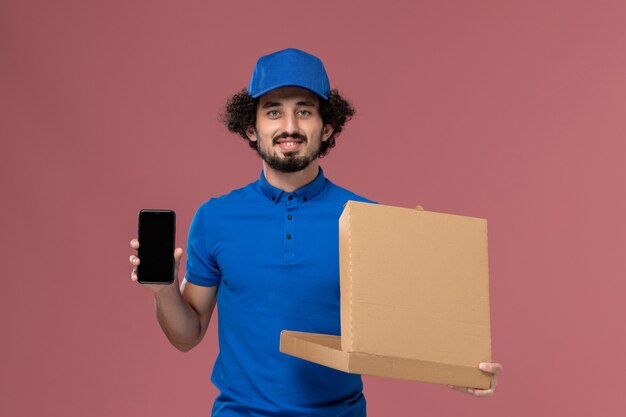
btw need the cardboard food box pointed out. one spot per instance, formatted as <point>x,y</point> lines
<point>414,298</point>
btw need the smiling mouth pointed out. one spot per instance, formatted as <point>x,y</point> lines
<point>289,145</point>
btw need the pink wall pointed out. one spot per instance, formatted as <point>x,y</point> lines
<point>513,111</point>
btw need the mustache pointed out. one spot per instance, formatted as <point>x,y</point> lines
<point>286,135</point>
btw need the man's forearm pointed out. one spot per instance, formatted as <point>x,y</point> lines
<point>179,321</point>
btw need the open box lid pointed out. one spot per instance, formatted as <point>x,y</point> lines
<point>414,298</point>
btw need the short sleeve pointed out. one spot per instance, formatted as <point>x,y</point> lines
<point>202,269</point>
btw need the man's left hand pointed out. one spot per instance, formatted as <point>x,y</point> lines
<point>491,368</point>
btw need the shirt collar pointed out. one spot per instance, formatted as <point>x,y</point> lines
<point>303,194</point>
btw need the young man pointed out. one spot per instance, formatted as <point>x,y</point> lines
<point>268,253</point>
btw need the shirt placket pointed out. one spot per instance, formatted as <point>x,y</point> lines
<point>289,220</point>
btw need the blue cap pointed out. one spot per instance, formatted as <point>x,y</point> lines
<point>289,67</point>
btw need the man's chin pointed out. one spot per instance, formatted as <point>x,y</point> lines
<point>287,161</point>
<point>288,164</point>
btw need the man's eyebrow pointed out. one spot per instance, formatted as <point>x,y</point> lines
<point>272,104</point>
<point>308,103</point>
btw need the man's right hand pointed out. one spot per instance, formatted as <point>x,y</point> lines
<point>183,313</point>
<point>155,288</point>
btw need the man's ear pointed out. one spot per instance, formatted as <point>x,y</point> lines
<point>327,132</point>
<point>251,133</point>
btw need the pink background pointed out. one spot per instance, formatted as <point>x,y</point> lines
<point>512,111</point>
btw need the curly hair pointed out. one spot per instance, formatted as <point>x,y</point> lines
<point>240,115</point>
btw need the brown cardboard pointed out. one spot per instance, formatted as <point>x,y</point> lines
<point>414,298</point>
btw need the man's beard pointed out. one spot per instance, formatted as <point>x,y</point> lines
<point>290,162</point>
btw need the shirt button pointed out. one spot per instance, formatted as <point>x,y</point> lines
<point>290,197</point>
<point>288,237</point>
<point>273,198</point>
<point>304,198</point>
<point>289,217</point>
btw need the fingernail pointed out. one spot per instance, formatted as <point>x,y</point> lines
<point>483,366</point>
<point>470,390</point>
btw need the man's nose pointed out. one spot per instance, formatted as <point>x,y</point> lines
<point>291,123</point>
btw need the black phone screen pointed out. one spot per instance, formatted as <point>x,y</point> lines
<point>156,234</point>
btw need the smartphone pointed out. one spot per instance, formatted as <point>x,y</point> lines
<point>157,237</point>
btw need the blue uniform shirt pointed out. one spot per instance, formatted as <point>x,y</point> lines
<point>274,256</point>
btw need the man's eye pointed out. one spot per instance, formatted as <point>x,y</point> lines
<point>304,113</point>
<point>273,113</point>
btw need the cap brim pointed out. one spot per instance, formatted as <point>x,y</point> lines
<point>274,87</point>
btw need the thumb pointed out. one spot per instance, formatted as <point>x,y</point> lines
<point>178,253</point>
